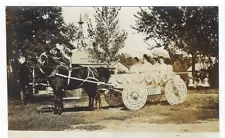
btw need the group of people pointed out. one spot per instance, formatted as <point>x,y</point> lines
<point>144,64</point>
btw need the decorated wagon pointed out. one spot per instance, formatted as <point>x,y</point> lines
<point>135,88</point>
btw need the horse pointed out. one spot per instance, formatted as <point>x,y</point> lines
<point>59,78</point>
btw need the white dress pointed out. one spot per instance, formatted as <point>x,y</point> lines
<point>135,68</point>
<point>146,67</point>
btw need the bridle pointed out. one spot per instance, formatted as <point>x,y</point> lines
<point>42,62</point>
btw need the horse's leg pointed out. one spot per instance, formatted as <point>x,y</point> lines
<point>89,103</point>
<point>100,102</point>
<point>96,101</point>
<point>92,103</point>
<point>59,100</point>
<point>55,105</point>
<point>60,105</point>
<point>90,89</point>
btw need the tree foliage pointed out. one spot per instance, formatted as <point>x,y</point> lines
<point>29,28</point>
<point>106,37</point>
<point>191,29</point>
<point>181,63</point>
<point>126,60</point>
<point>27,31</point>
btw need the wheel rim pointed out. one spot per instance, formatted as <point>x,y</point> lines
<point>175,91</point>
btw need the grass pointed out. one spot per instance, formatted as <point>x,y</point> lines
<point>26,117</point>
<point>198,107</point>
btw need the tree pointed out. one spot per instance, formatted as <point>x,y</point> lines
<point>181,63</point>
<point>27,31</point>
<point>190,29</point>
<point>106,36</point>
<point>29,28</point>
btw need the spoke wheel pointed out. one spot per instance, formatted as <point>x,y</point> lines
<point>134,98</point>
<point>113,98</point>
<point>175,91</point>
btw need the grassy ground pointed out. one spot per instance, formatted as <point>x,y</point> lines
<point>199,107</point>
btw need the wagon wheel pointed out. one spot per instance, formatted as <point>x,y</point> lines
<point>134,97</point>
<point>175,91</point>
<point>154,98</point>
<point>113,98</point>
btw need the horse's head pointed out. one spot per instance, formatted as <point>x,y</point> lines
<point>45,58</point>
<point>42,60</point>
<point>44,63</point>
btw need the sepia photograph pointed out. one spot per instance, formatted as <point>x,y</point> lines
<point>112,69</point>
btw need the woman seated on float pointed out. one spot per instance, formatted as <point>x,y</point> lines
<point>146,65</point>
<point>135,68</point>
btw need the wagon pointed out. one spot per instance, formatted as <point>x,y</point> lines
<point>134,90</point>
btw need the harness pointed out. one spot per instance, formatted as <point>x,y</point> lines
<point>69,77</point>
<point>89,77</point>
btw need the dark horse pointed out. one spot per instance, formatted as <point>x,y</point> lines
<point>58,75</point>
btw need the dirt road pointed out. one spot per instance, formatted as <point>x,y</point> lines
<point>120,126</point>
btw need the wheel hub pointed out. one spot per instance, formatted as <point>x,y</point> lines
<point>134,95</point>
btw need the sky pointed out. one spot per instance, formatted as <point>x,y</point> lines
<point>126,17</point>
